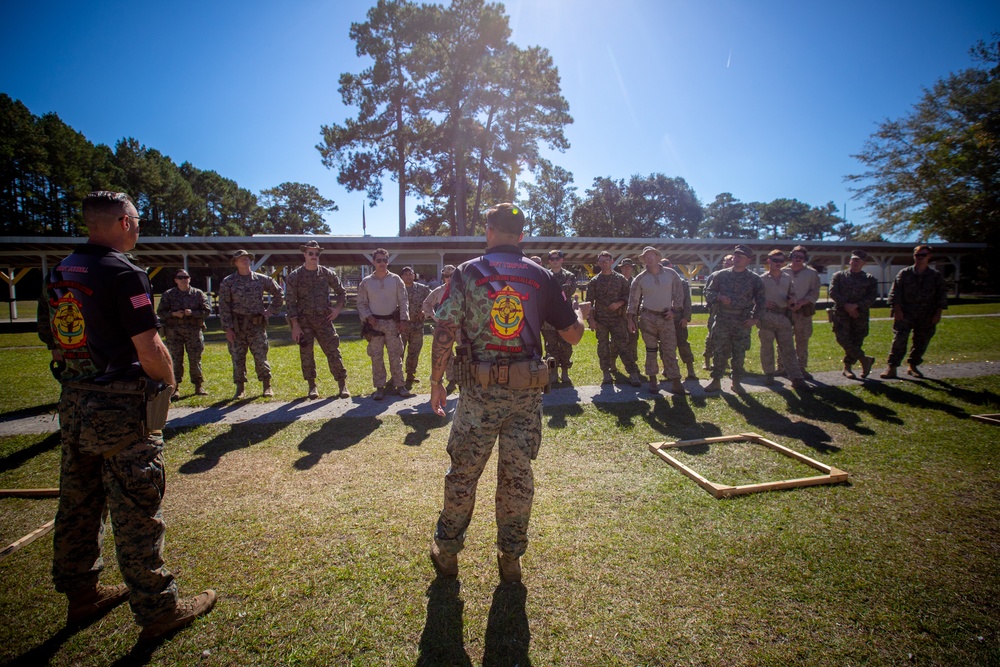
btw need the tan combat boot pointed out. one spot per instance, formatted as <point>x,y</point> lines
<point>654,385</point>
<point>676,387</point>
<point>199,390</point>
<point>510,568</point>
<point>313,392</point>
<point>240,391</point>
<point>565,376</point>
<point>713,386</point>
<point>738,388</point>
<point>691,374</point>
<point>445,563</point>
<point>342,388</point>
<point>179,617</point>
<point>633,379</point>
<point>913,371</point>
<point>89,604</point>
<point>866,366</point>
<point>267,388</point>
<point>889,373</point>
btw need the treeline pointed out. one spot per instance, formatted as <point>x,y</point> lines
<point>47,168</point>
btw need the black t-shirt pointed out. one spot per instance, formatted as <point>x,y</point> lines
<point>98,300</point>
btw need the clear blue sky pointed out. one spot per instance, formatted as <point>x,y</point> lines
<point>760,99</point>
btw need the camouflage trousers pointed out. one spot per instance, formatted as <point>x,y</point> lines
<point>709,346</point>
<point>612,343</point>
<point>776,327</point>
<point>192,340</point>
<point>496,414</point>
<point>316,328</point>
<point>659,335</point>
<point>556,347</point>
<point>683,346</point>
<point>802,331</point>
<point>850,334</point>
<point>254,338</point>
<point>412,335</point>
<point>922,330</point>
<point>393,346</point>
<point>730,340</point>
<point>94,479</point>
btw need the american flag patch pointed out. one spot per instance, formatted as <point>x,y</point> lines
<point>140,300</point>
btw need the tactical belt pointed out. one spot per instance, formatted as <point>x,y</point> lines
<point>662,313</point>
<point>257,320</point>
<point>394,315</point>
<point>527,374</point>
<point>156,402</point>
<point>778,310</point>
<point>723,310</point>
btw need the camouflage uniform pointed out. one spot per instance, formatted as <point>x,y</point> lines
<point>658,333</point>
<point>182,333</point>
<point>497,414</point>
<point>241,302</point>
<point>775,325</point>
<point>307,298</point>
<point>388,324</point>
<point>681,331</point>
<point>920,295</point>
<point>110,462</point>
<point>413,331</point>
<point>555,346</point>
<point>612,328</point>
<point>429,308</point>
<point>860,288</point>
<point>730,338</point>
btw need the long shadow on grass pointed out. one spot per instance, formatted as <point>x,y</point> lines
<point>419,427</point>
<point>671,416</point>
<point>507,631</point>
<point>334,436</point>
<point>558,414</point>
<point>46,409</point>
<point>894,392</point>
<point>441,642</point>
<point>839,406</point>
<point>21,456</point>
<point>239,436</point>
<point>757,414</point>
<point>970,396</point>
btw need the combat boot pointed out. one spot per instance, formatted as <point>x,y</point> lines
<point>848,373</point>
<point>676,387</point>
<point>181,616</point>
<point>889,373</point>
<point>342,388</point>
<point>313,392</point>
<point>654,386</point>
<point>633,379</point>
<point>445,563</point>
<point>565,376</point>
<point>411,380</point>
<point>88,604</point>
<point>404,392</point>
<point>177,393</point>
<point>708,363</point>
<point>607,378</point>
<point>267,388</point>
<point>866,366</point>
<point>691,374</point>
<point>913,371</point>
<point>800,384</point>
<point>510,567</point>
<point>713,386</point>
<point>199,390</point>
<point>240,392</point>
<point>738,388</point>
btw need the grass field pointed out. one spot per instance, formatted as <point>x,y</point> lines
<point>316,534</point>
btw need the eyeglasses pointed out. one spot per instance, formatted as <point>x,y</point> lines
<point>381,261</point>
<point>183,277</point>
<point>312,254</point>
<point>139,221</point>
<point>777,260</point>
<point>798,258</point>
<point>555,258</point>
<point>921,254</point>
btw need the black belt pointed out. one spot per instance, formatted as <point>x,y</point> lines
<point>390,316</point>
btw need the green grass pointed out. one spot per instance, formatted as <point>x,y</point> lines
<point>315,535</point>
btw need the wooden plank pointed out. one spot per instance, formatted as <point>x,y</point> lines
<point>791,453</point>
<point>783,484</point>
<point>29,493</point>
<point>988,419</point>
<point>27,539</point>
<point>711,487</point>
<point>704,441</point>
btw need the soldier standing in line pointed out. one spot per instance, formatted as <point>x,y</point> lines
<point>607,292</point>
<point>737,295</point>
<point>656,293</point>
<point>307,294</point>
<point>853,292</point>
<point>182,311</point>
<point>429,307</point>
<point>727,263</point>
<point>382,305</point>
<point>682,318</point>
<point>774,324</point>
<point>805,291</point>
<point>498,302</point>
<point>627,267</point>
<point>412,332</point>
<point>243,314</point>
<point>555,346</point>
<point>917,297</point>
<point>95,314</point>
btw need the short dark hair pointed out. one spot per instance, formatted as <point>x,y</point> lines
<point>380,251</point>
<point>800,249</point>
<point>604,253</point>
<point>101,206</point>
<point>923,246</point>
<point>506,218</point>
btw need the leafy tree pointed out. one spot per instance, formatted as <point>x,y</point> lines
<point>664,206</point>
<point>604,211</point>
<point>392,112</point>
<point>295,208</point>
<point>936,171</point>
<point>23,166</point>
<point>817,223</point>
<point>725,218</point>
<point>551,199</point>
<point>777,216</point>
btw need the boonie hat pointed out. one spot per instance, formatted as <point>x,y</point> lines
<point>650,248</point>
<point>311,245</point>
<point>241,253</point>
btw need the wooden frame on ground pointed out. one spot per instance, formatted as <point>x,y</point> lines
<point>830,474</point>
<point>989,419</point>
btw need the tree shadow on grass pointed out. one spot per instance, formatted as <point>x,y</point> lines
<point>507,632</point>
<point>760,416</point>
<point>441,642</point>
<point>239,436</point>
<point>334,436</point>
<point>22,456</point>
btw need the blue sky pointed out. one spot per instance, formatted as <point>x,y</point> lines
<point>761,99</point>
